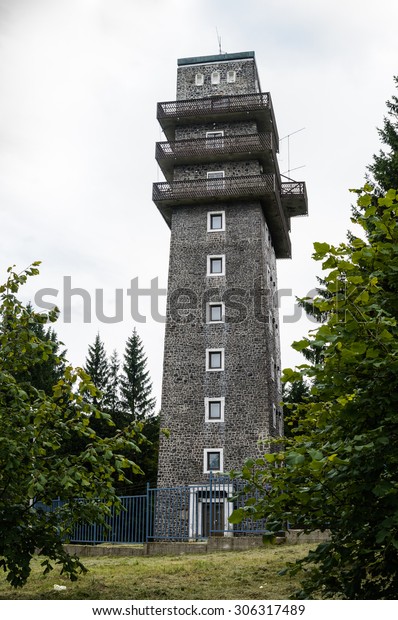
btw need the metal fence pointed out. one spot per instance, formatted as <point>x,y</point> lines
<point>185,513</point>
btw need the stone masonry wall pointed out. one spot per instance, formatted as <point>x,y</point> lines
<point>246,81</point>
<point>248,382</point>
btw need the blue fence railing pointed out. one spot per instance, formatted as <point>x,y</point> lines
<point>194,512</point>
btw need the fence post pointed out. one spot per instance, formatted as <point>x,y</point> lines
<point>211,504</point>
<point>147,512</point>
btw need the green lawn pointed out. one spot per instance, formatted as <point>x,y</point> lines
<point>224,575</point>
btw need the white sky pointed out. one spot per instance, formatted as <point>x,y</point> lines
<point>79,82</point>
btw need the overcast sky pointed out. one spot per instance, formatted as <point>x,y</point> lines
<point>79,82</point>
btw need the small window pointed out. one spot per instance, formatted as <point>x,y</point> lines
<point>215,312</point>
<point>216,265</point>
<point>214,409</point>
<point>213,460</point>
<point>215,180</point>
<point>273,415</point>
<point>215,221</point>
<point>199,79</point>
<point>215,77</point>
<point>231,76</point>
<point>214,359</point>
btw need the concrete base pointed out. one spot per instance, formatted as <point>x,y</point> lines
<point>222,543</point>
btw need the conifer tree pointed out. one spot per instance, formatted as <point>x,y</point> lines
<point>113,396</point>
<point>47,371</point>
<point>384,169</point>
<point>135,383</point>
<point>97,367</point>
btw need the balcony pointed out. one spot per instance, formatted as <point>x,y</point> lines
<point>260,147</point>
<point>263,188</point>
<point>254,107</point>
<point>294,198</point>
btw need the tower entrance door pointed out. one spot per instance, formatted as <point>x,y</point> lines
<point>213,519</point>
<point>209,509</point>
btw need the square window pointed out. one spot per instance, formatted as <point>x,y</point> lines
<point>213,460</point>
<point>214,139</point>
<point>215,180</point>
<point>215,221</point>
<point>214,359</point>
<point>214,409</point>
<point>216,313</point>
<point>216,265</point>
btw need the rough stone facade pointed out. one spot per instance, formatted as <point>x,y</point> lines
<point>248,384</point>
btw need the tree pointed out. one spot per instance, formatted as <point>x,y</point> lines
<point>384,169</point>
<point>97,368</point>
<point>34,426</point>
<point>340,467</point>
<point>113,400</point>
<point>135,383</point>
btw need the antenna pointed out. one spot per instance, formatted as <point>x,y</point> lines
<point>288,148</point>
<point>219,41</point>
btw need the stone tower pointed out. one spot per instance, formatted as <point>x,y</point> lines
<point>229,214</point>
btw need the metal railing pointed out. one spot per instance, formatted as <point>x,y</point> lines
<point>230,188</point>
<point>218,104</point>
<point>252,105</point>
<point>260,145</point>
<point>193,512</point>
<point>205,147</point>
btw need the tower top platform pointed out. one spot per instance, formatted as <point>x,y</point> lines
<point>200,60</point>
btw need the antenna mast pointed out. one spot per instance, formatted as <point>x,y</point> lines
<point>288,148</point>
<point>219,42</point>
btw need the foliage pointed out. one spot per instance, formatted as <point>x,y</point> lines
<point>292,394</point>
<point>34,427</point>
<point>384,169</point>
<point>45,373</point>
<point>339,471</point>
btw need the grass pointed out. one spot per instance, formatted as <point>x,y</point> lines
<point>243,575</point>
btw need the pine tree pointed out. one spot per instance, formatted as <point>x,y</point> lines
<point>113,397</point>
<point>135,383</point>
<point>97,367</point>
<point>385,165</point>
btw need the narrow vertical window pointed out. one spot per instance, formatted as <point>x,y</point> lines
<point>199,79</point>
<point>231,76</point>
<point>215,77</point>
